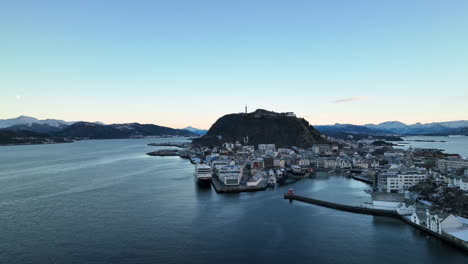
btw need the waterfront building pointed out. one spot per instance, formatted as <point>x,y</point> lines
<point>404,209</point>
<point>405,180</point>
<point>434,221</point>
<point>360,163</point>
<point>216,164</point>
<point>419,218</point>
<point>400,181</point>
<point>256,179</point>
<point>230,175</point>
<point>452,163</point>
<point>382,180</point>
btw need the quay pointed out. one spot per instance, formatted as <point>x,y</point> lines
<point>222,188</point>
<point>342,207</point>
<point>362,179</point>
<point>378,212</point>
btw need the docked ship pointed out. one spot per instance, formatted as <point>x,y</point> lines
<point>203,172</point>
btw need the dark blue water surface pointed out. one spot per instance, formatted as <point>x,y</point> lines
<point>107,202</point>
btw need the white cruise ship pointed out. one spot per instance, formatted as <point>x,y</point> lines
<point>203,172</point>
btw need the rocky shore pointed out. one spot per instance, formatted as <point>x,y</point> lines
<point>164,153</point>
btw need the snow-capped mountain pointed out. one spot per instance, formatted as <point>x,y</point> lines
<point>196,130</point>
<point>396,127</point>
<point>389,125</point>
<point>30,121</point>
<point>419,128</point>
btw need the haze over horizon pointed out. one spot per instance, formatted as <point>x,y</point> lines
<point>206,128</point>
<point>187,63</point>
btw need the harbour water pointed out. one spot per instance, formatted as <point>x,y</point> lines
<point>452,144</point>
<point>107,202</point>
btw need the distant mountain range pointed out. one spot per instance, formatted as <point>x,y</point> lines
<point>398,128</point>
<point>196,130</point>
<point>33,124</point>
<point>23,129</point>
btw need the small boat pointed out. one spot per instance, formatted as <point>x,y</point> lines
<point>195,160</point>
<point>272,181</point>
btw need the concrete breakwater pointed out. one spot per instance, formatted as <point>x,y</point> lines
<point>343,207</point>
<point>363,179</point>
<point>463,245</point>
<point>164,152</point>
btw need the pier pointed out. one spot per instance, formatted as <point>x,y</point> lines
<point>379,212</point>
<point>222,188</point>
<point>343,207</point>
<point>362,179</point>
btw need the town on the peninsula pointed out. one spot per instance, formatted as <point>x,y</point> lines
<point>253,151</point>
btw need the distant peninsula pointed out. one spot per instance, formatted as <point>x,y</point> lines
<point>27,130</point>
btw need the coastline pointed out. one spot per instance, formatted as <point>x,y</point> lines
<point>378,212</point>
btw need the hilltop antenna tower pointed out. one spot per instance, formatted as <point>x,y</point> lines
<point>246,109</point>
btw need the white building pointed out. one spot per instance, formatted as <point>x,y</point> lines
<point>303,162</point>
<point>464,184</point>
<point>452,163</point>
<point>400,181</point>
<point>265,147</point>
<point>230,175</point>
<point>255,180</point>
<point>419,218</point>
<point>216,164</point>
<point>325,149</point>
<point>360,163</point>
<point>434,221</point>
<point>279,163</point>
<point>228,145</point>
<point>403,209</point>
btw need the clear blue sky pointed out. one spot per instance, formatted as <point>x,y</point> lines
<point>180,63</point>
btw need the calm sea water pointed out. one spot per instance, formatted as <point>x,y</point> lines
<point>107,202</point>
<point>455,144</point>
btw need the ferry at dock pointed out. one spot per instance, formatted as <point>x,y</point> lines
<point>203,172</point>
